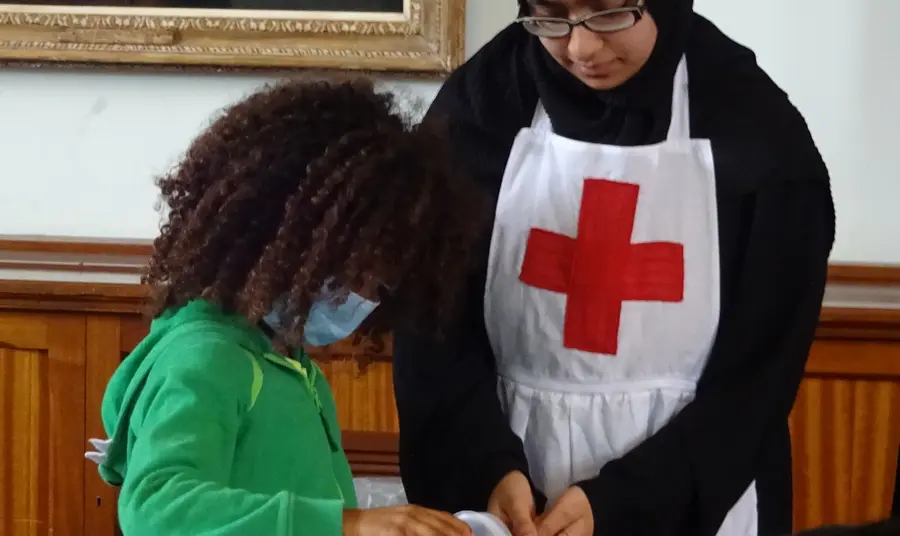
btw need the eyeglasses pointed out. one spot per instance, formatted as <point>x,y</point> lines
<point>606,21</point>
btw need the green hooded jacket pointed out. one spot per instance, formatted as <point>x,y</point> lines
<point>213,433</point>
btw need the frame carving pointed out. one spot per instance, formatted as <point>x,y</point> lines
<point>427,38</point>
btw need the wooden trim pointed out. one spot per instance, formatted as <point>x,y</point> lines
<point>67,267</point>
<point>854,359</point>
<point>76,245</point>
<point>372,453</point>
<point>862,302</point>
<point>864,274</point>
<point>60,262</point>
<point>859,324</point>
<point>62,254</point>
<point>137,251</point>
<point>72,297</point>
<point>872,322</point>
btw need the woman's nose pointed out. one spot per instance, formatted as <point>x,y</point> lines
<point>584,44</point>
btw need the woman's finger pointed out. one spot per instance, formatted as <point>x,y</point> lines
<point>555,522</point>
<point>498,512</point>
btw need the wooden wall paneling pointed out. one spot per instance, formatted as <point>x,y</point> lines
<point>132,328</point>
<point>364,396</point>
<point>42,395</point>
<point>361,377</point>
<point>844,426</point>
<point>66,389</point>
<point>103,335</point>
<point>846,432</point>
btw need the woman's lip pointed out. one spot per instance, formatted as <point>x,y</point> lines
<point>595,70</point>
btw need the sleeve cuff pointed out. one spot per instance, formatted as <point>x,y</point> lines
<point>636,504</point>
<point>303,515</point>
<point>610,509</point>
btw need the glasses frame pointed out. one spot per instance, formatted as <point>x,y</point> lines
<point>638,10</point>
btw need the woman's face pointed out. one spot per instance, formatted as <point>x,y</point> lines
<point>600,61</point>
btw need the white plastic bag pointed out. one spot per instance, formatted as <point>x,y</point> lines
<point>378,492</point>
<point>98,456</point>
<point>483,523</point>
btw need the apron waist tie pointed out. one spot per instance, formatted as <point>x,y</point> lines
<point>543,383</point>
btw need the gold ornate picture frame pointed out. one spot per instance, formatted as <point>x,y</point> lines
<point>426,37</point>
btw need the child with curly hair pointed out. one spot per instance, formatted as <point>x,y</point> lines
<point>306,211</point>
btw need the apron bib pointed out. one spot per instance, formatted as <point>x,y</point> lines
<point>602,295</point>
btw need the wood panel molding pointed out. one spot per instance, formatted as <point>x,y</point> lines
<point>65,296</point>
<point>848,314</point>
<point>372,453</point>
<point>66,254</point>
<point>76,245</point>
<point>859,323</point>
<point>130,256</point>
<point>864,274</point>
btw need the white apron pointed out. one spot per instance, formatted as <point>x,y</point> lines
<point>602,295</point>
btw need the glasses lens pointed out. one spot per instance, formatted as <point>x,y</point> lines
<point>546,27</point>
<point>612,22</point>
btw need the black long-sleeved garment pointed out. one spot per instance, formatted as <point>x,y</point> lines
<point>776,228</point>
<point>895,511</point>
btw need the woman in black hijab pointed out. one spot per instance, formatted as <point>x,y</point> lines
<point>633,343</point>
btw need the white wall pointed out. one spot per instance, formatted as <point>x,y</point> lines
<point>78,151</point>
<point>840,63</point>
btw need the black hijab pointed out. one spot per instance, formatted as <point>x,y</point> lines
<point>757,135</point>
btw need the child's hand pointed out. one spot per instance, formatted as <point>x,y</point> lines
<point>405,520</point>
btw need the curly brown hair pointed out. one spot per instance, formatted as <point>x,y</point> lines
<point>312,182</point>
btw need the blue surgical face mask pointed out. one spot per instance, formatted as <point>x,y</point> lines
<point>329,322</point>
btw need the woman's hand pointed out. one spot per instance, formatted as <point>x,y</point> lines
<point>570,516</point>
<point>513,502</point>
<point>404,520</point>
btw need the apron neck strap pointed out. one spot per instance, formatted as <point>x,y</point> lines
<point>540,123</point>
<point>680,127</point>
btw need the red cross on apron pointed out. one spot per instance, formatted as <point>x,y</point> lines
<point>601,268</point>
